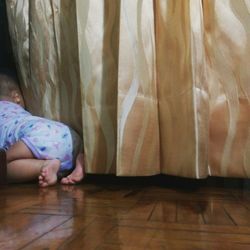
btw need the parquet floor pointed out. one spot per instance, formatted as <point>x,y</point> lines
<point>131,215</point>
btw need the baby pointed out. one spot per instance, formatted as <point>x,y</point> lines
<point>36,147</point>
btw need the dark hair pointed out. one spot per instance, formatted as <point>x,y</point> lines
<point>8,82</point>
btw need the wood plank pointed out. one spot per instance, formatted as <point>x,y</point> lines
<point>17,231</point>
<point>129,236</point>
<point>190,212</point>
<point>144,237</point>
<point>160,194</point>
<point>191,245</point>
<point>215,214</point>
<point>141,211</point>
<point>100,197</point>
<point>242,194</point>
<point>176,245</point>
<point>164,211</point>
<point>245,230</point>
<point>210,237</point>
<point>90,237</point>
<point>61,235</point>
<point>239,213</point>
<point>109,246</point>
<point>93,216</point>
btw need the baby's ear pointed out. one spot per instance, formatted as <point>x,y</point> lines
<point>16,97</point>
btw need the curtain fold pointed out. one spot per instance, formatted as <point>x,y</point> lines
<point>98,41</point>
<point>183,102</point>
<point>44,38</point>
<point>153,86</point>
<point>138,126</point>
<point>227,41</point>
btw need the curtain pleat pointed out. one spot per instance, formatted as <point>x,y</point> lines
<point>18,18</point>
<point>153,86</point>
<point>227,40</point>
<point>98,38</point>
<point>138,127</point>
<point>44,38</point>
<point>182,96</point>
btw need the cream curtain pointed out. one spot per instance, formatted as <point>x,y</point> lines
<point>153,86</point>
<point>227,45</point>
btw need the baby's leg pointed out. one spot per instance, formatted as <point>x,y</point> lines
<point>77,174</point>
<point>18,151</point>
<point>22,166</point>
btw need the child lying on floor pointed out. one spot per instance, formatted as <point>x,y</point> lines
<point>36,147</point>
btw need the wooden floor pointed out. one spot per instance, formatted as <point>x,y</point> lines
<point>135,214</point>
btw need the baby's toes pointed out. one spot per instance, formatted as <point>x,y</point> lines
<point>40,178</point>
<point>64,180</point>
<point>43,173</point>
<point>40,182</point>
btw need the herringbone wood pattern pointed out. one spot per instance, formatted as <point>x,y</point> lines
<point>130,215</point>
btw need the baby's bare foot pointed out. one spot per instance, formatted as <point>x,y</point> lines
<point>77,174</point>
<point>48,174</point>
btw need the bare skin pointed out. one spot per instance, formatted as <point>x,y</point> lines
<point>20,157</point>
<point>78,173</point>
<point>48,173</point>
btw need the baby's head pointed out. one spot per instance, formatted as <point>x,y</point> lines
<point>9,89</point>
